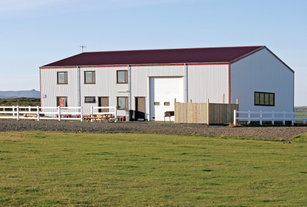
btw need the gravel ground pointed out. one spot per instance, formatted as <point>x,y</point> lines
<point>154,127</point>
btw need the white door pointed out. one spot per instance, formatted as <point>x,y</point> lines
<point>163,91</point>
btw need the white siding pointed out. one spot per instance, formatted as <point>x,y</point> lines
<point>262,72</point>
<point>51,90</point>
<point>208,82</point>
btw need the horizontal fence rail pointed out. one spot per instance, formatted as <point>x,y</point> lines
<point>270,116</point>
<point>38,113</point>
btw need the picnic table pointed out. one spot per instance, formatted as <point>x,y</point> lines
<point>98,117</point>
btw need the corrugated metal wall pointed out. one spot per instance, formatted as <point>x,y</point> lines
<point>208,82</point>
<point>262,72</point>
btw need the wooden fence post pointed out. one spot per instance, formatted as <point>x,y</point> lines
<point>208,109</point>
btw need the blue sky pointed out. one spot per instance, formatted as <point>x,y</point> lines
<point>37,32</point>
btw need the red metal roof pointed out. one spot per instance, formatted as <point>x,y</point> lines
<point>161,56</point>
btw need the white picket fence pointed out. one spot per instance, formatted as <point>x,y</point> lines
<point>272,116</point>
<point>38,113</point>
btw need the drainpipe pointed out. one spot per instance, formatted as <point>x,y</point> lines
<point>79,86</point>
<point>186,84</point>
<point>129,87</point>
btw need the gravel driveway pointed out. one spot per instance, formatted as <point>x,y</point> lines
<point>154,127</point>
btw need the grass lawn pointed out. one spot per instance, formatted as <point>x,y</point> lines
<point>130,169</point>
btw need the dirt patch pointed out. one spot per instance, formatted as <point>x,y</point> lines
<point>155,127</point>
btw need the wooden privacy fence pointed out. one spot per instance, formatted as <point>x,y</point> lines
<point>204,113</point>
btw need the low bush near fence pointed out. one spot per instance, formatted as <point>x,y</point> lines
<point>80,169</point>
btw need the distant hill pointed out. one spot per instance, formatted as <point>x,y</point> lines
<point>17,94</point>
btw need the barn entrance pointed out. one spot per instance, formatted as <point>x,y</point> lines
<point>163,91</point>
<point>139,108</point>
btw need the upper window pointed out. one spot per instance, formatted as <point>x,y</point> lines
<point>62,78</point>
<point>122,103</point>
<point>122,76</point>
<point>89,77</point>
<point>264,99</point>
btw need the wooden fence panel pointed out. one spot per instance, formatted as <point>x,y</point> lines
<point>197,113</point>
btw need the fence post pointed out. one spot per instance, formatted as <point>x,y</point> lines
<point>292,118</point>
<point>273,117</point>
<point>38,114</point>
<point>260,117</point>
<point>29,108</point>
<point>59,113</point>
<point>13,109</point>
<point>235,117</point>
<point>208,109</point>
<point>92,111</point>
<point>249,117</point>
<point>304,115</point>
<point>284,118</point>
<point>81,110</point>
<point>115,113</point>
<point>17,112</point>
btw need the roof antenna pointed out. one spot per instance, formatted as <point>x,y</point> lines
<point>82,46</point>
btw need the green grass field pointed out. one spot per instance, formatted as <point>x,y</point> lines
<point>130,169</point>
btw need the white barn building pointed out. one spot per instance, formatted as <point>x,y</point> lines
<point>148,81</point>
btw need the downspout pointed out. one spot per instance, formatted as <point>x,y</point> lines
<point>79,86</point>
<point>129,87</point>
<point>186,84</point>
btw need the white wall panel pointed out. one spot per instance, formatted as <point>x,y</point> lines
<point>208,82</point>
<point>262,72</point>
<point>51,90</point>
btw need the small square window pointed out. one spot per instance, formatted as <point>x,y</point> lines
<point>62,101</point>
<point>89,77</point>
<point>157,103</point>
<point>89,100</point>
<point>122,76</point>
<point>62,78</point>
<point>167,103</point>
<point>122,103</point>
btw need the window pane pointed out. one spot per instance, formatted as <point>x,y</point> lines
<point>62,77</point>
<point>272,99</point>
<point>266,99</point>
<point>167,103</point>
<point>261,98</point>
<point>62,101</point>
<point>122,102</point>
<point>121,76</point>
<point>257,101</point>
<point>89,77</point>
<point>89,100</point>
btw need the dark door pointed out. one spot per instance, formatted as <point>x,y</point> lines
<point>103,101</point>
<point>139,108</point>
